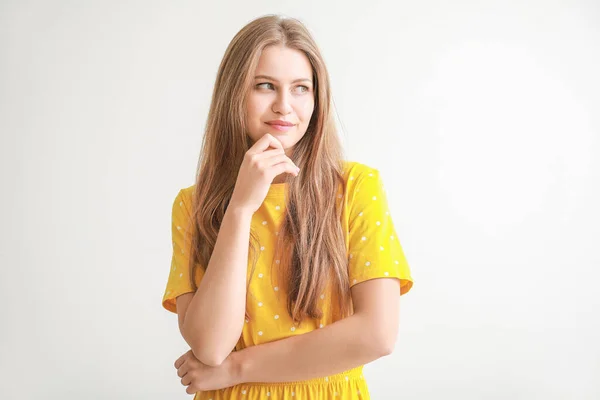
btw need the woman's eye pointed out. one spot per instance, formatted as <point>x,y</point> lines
<point>270,86</point>
<point>264,83</point>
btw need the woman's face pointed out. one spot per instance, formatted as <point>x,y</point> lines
<point>282,90</point>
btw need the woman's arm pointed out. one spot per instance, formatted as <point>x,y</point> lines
<point>213,327</point>
<point>367,335</point>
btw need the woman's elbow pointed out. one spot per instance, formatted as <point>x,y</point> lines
<point>385,341</point>
<point>211,359</point>
<point>387,346</point>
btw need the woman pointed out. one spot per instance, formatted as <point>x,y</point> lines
<point>277,245</point>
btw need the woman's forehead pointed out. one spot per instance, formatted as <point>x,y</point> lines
<point>283,64</point>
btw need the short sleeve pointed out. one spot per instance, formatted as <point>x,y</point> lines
<point>179,281</point>
<point>374,248</point>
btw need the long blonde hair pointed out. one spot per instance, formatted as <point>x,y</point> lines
<point>311,240</point>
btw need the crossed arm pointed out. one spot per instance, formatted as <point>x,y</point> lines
<point>370,333</point>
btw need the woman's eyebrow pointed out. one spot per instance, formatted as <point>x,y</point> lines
<point>275,80</point>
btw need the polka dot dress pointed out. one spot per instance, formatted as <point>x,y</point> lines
<point>374,251</point>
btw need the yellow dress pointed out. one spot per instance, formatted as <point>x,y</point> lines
<point>374,251</point>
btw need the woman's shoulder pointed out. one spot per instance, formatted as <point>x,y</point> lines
<point>183,197</point>
<point>187,192</point>
<point>354,170</point>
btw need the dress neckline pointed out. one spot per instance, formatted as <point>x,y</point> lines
<point>278,190</point>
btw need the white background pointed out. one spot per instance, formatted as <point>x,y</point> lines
<point>483,118</point>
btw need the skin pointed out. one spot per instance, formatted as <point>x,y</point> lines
<point>281,98</point>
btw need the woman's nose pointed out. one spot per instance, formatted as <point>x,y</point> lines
<point>282,104</point>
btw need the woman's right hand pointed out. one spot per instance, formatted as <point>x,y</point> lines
<point>262,163</point>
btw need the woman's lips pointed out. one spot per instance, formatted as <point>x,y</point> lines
<point>281,128</point>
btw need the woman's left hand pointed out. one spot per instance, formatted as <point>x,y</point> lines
<point>199,377</point>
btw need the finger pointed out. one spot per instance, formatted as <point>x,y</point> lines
<point>276,159</point>
<point>183,369</point>
<point>293,164</point>
<point>268,153</point>
<point>284,167</point>
<point>266,141</point>
<point>184,357</point>
<point>186,380</point>
<point>179,361</point>
<point>272,141</point>
<point>191,390</point>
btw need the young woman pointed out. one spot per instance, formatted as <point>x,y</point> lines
<point>278,244</point>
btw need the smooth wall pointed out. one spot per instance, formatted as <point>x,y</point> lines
<point>482,116</point>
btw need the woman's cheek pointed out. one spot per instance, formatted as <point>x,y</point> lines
<point>307,109</point>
